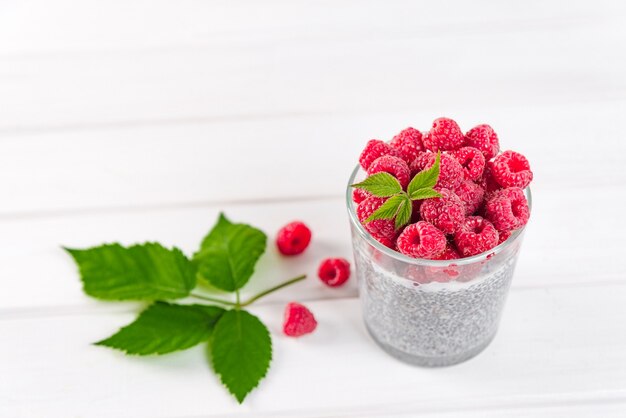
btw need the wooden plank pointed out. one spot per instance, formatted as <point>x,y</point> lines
<point>298,157</point>
<point>33,27</point>
<point>555,347</point>
<point>38,277</point>
<point>176,85</point>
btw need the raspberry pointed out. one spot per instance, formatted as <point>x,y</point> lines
<point>471,194</point>
<point>408,143</point>
<point>476,235</point>
<point>503,236</point>
<point>293,238</point>
<point>450,171</point>
<point>298,320</point>
<point>487,182</point>
<point>472,161</point>
<point>450,253</point>
<point>334,271</point>
<point>421,240</point>
<point>485,139</point>
<point>383,230</point>
<point>374,149</point>
<point>445,212</point>
<point>511,169</point>
<point>359,195</point>
<point>444,135</point>
<point>507,209</point>
<point>395,166</point>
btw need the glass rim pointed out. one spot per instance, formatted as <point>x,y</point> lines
<point>423,261</point>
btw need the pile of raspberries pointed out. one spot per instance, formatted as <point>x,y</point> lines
<point>482,200</point>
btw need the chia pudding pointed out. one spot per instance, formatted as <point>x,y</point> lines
<point>431,312</point>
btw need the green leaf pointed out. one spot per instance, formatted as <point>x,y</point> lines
<point>425,193</point>
<point>229,253</point>
<point>404,212</point>
<point>380,184</point>
<point>241,351</point>
<point>141,272</point>
<point>388,209</point>
<point>426,178</point>
<point>164,327</point>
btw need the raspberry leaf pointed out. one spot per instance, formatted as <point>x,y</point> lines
<point>141,272</point>
<point>380,185</point>
<point>404,212</point>
<point>426,193</point>
<point>163,328</point>
<point>425,178</point>
<point>388,209</point>
<point>228,254</point>
<point>241,351</point>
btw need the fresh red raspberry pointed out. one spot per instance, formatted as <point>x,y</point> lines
<point>503,236</point>
<point>471,194</point>
<point>298,320</point>
<point>408,143</point>
<point>476,235</point>
<point>383,230</point>
<point>472,161</point>
<point>487,182</point>
<point>446,212</point>
<point>293,238</point>
<point>395,166</point>
<point>421,240</point>
<point>359,195</point>
<point>444,135</point>
<point>485,139</point>
<point>334,271</point>
<point>450,253</point>
<point>507,209</point>
<point>450,171</point>
<point>512,169</point>
<point>374,149</point>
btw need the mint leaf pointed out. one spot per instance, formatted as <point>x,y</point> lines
<point>164,327</point>
<point>404,212</point>
<point>380,184</point>
<point>426,178</point>
<point>141,272</point>
<point>426,193</point>
<point>388,209</point>
<point>241,351</point>
<point>229,253</point>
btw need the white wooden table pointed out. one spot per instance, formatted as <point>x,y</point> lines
<point>133,120</point>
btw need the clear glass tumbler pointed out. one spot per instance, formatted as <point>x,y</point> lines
<point>429,312</point>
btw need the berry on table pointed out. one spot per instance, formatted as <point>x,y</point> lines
<point>383,230</point>
<point>395,166</point>
<point>507,209</point>
<point>293,238</point>
<point>512,169</point>
<point>476,235</point>
<point>445,212</point>
<point>408,143</point>
<point>472,161</point>
<point>334,271</point>
<point>444,135</point>
<point>450,171</point>
<point>374,149</point>
<point>298,320</point>
<point>421,240</point>
<point>484,138</point>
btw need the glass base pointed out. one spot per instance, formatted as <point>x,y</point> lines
<point>424,361</point>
